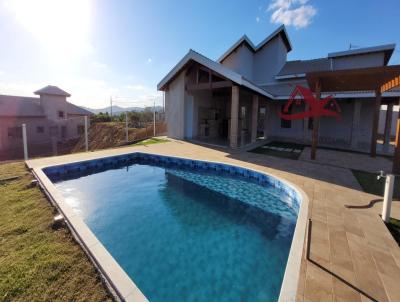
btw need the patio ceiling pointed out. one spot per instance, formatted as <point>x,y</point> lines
<point>361,79</point>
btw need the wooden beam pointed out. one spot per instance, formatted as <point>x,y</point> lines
<point>315,123</point>
<point>212,85</point>
<point>396,159</point>
<point>375,121</point>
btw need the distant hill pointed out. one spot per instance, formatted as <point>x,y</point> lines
<point>117,109</point>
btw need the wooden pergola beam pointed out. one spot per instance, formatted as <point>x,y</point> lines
<point>316,123</point>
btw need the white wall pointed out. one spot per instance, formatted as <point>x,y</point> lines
<point>269,60</point>
<point>241,61</point>
<point>175,107</point>
<point>52,104</point>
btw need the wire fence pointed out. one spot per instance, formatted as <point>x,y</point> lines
<point>42,138</point>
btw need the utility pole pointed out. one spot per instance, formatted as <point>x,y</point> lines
<point>154,119</point>
<point>111,106</point>
<point>126,127</point>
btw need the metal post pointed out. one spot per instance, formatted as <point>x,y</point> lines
<point>126,127</point>
<point>25,141</point>
<point>154,119</point>
<point>86,134</point>
<point>387,198</point>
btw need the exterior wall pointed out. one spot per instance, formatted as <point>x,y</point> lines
<point>338,132</point>
<point>274,130</point>
<point>358,61</point>
<point>52,104</point>
<point>269,60</point>
<point>332,132</point>
<point>33,136</point>
<point>241,61</point>
<point>175,107</point>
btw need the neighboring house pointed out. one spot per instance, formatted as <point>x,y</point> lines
<point>235,100</point>
<point>48,118</point>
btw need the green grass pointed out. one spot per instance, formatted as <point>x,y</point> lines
<point>370,184</point>
<point>151,141</point>
<point>38,263</point>
<point>394,228</point>
<point>281,154</point>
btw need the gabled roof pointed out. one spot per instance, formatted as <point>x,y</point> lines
<point>301,67</point>
<point>76,110</point>
<point>214,66</point>
<point>387,49</point>
<point>52,90</point>
<point>281,30</point>
<point>12,106</point>
<point>20,106</point>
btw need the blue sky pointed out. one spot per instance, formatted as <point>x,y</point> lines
<point>97,49</point>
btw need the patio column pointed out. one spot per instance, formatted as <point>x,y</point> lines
<point>316,122</point>
<point>388,126</point>
<point>375,122</point>
<point>355,124</point>
<point>234,117</point>
<point>254,119</point>
<point>396,159</point>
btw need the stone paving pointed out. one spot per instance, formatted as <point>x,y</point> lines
<point>353,255</point>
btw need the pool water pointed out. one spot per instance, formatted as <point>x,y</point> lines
<point>186,235</point>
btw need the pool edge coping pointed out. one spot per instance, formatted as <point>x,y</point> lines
<point>288,290</point>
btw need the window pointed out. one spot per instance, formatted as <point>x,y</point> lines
<point>15,132</point>
<point>39,129</point>
<point>61,114</point>
<point>80,129</point>
<point>286,123</point>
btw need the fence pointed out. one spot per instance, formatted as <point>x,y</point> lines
<point>30,138</point>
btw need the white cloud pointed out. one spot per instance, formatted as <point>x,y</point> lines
<point>99,65</point>
<point>292,12</point>
<point>136,87</point>
<point>258,19</point>
<point>2,72</point>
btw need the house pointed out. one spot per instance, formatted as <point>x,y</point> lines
<point>48,118</point>
<point>238,99</point>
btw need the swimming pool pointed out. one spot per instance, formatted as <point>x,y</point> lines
<point>186,230</point>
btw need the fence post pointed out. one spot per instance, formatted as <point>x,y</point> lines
<point>387,198</point>
<point>86,134</point>
<point>154,119</point>
<point>25,141</point>
<point>126,127</point>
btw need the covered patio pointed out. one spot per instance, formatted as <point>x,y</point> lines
<point>211,104</point>
<point>219,112</point>
<point>376,81</point>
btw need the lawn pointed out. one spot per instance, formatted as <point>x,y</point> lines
<point>394,228</point>
<point>38,263</point>
<point>151,141</point>
<point>369,183</point>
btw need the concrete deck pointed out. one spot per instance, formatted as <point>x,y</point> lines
<point>353,255</point>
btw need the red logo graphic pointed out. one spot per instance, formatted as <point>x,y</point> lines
<point>324,107</point>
